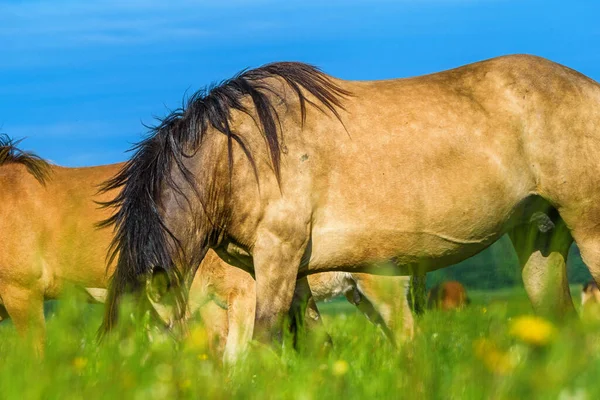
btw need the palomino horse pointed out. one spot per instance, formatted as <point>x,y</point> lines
<point>286,171</point>
<point>225,298</point>
<point>61,245</point>
<point>449,295</point>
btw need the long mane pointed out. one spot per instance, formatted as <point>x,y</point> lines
<point>142,241</point>
<point>11,154</point>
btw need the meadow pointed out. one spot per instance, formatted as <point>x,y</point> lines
<point>494,349</point>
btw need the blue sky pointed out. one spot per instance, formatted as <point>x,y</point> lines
<point>77,78</point>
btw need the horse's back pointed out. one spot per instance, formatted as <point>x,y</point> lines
<point>388,181</point>
<point>49,233</point>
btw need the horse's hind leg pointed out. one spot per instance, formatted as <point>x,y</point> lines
<point>240,323</point>
<point>542,247</point>
<point>214,319</point>
<point>383,300</point>
<point>361,302</point>
<point>586,232</point>
<point>26,309</point>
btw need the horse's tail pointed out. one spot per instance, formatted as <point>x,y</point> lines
<point>11,154</point>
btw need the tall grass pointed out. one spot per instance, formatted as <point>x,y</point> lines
<point>478,353</point>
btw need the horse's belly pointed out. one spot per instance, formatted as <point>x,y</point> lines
<point>435,218</point>
<point>432,238</point>
<point>343,251</point>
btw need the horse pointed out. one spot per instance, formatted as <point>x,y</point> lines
<point>48,236</point>
<point>224,297</point>
<point>286,171</point>
<point>61,245</point>
<point>450,295</point>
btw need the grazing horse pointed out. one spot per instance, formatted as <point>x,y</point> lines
<point>50,239</point>
<point>47,234</point>
<point>446,296</point>
<point>286,171</point>
<point>225,298</point>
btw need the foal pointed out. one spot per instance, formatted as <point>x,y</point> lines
<point>225,298</point>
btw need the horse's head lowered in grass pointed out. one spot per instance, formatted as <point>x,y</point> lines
<point>175,196</point>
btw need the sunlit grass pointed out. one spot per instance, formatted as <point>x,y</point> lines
<point>482,352</point>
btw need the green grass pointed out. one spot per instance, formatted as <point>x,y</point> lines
<point>459,355</point>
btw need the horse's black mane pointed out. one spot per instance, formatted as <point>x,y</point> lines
<point>141,240</point>
<point>10,153</point>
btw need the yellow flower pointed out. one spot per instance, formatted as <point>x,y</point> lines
<point>80,363</point>
<point>533,330</point>
<point>185,384</point>
<point>493,359</point>
<point>340,367</point>
<point>203,356</point>
<point>197,339</point>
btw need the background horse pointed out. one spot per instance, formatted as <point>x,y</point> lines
<point>449,295</point>
<point>48,237</point>
<point>286,171</point>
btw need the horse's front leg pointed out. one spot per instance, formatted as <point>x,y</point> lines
<point>277,258</point>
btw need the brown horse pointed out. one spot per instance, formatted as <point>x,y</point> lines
<point>225,298</point>
<point>446,296</point>
<point>286,171</point>
<point>47,234</point>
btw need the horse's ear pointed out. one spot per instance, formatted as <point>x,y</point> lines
<point>158,285</point>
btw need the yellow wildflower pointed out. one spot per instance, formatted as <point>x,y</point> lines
<point>197,339</point>
<point>80,363</point>
<point>185,384</point>
<point>340,367</point>
<point>533,330</point>
<point>494,360</point>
